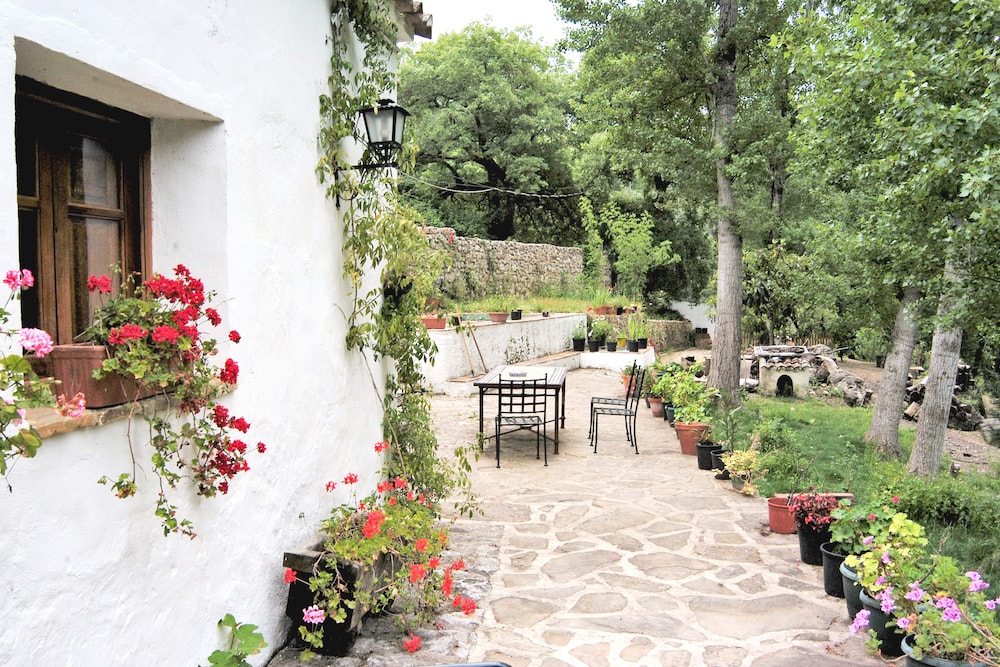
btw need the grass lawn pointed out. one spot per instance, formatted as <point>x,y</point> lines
<point>808,443</point>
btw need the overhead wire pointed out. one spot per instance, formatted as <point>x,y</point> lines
<point>489,188</point>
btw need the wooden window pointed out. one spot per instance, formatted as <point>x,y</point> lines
<point>82,184</point>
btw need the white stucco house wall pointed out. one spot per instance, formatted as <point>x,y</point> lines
<point>231,94</point>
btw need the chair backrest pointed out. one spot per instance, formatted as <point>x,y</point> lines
<point>522,396</point>
<point>633,398</point>
<point>632,386</point>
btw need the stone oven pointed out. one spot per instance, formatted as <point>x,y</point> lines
<point>783,370</point>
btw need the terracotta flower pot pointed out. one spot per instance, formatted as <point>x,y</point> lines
<point>689,434</point>
<point>656,406</point>
<point>74,366</point>
<point>433,321</point>
<point>778,516</point>
<point>499,318</point>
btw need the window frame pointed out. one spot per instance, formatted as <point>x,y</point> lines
<point>46,119</point>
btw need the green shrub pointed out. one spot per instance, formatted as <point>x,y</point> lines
<point>869,342</point>
<point>773,434</point>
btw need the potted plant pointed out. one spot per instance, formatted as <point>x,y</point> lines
<point>434,320</point>
<point>158,334</point>
<point>852,532</point>
<point>949,616</point>
<point>642,334</point>
<point>498,308</point>
<point>812,513</point>
<point>886,568</point>
<point>579,336</point>
<point>611,341</point>
<point>692,400</point>
<point>744,469</point>
<point>600,330</point>
<point>369,554</point>
<point>655,398</point>
<point>632,330</point>
<point>724,425</point>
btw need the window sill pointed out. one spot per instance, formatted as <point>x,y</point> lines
<point>48,422</point>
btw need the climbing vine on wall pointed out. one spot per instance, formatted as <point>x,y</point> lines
<point>383,238</point>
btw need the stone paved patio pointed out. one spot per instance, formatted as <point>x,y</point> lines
<point>618,559</point>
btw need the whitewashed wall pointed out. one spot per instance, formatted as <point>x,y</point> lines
<point>232,90</point>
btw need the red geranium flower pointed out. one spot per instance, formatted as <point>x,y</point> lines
<point>412,644</point>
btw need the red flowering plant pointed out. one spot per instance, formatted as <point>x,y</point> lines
<point>393,539</point>
<point>20,388</point>
<point>812,510</point>
<point>156,333</point>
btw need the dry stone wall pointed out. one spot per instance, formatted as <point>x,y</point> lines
<point>481,267</point>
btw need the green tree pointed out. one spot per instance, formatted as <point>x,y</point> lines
<point>904,98</point>
<point>661,79</point>
<point>491,115</point>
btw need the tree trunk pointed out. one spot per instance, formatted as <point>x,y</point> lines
<point>726,343</point>
<point>946,348</point>
<point>884,429</point>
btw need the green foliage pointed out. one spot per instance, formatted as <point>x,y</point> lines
<point>635,252</point>
<point>772,434</point>
<point>869,342</point>
<point>491,111</point>
<point>245,641</point>
<point>600,329</point>
<point>385,550</point>
<point>20,388</point>
<point>961,514</point>
<point>384,237</point>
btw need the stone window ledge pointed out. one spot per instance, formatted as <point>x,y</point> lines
<point>48,422</point>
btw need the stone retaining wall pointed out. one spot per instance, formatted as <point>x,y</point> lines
<point>481,267</point>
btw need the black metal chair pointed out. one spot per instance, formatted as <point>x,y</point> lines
<point>630,386</point>
<point>522,404</point>
<point>628,411</point>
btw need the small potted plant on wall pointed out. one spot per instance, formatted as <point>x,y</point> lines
<point>579,336</point>
<point>498,308</point>
<point>599,330</point>
<point>611,342</point>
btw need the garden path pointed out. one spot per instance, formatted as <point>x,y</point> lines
<point>614,559</point>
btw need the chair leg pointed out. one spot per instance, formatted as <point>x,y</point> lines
<point>635,438</point>
<point>593,439</point>
<point>498,441</point>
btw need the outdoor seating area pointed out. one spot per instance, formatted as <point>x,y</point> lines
<point>634,559</point>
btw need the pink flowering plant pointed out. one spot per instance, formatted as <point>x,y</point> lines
<point>20,388</point>
<point>159,333</point>
<point>947,613</point>
<point>855,525</point>
<point>391,540</point>
<point>890,551</point>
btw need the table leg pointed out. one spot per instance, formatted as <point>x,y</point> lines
<point>482,390</point>
<point>564,405</point>
<point>555,422</point>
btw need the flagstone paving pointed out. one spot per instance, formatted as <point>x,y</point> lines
<point>615,558</point>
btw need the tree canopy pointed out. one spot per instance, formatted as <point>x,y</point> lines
<point>491,113</point>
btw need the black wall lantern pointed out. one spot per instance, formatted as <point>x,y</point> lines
<point>384,126</point>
